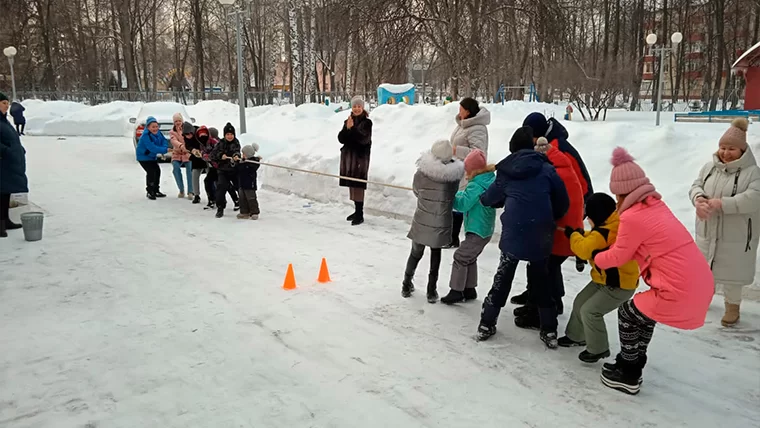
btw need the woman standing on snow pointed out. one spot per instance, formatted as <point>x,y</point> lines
<point>726,195</point>
<point>680,280</point>
<point>12,167</point>
<point>149,147</point>
<point>356,138</point>
<point>471,133</point>
<point>181,156</point>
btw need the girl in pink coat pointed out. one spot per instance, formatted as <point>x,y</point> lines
<point>181,156</point>
<point>680,280</point>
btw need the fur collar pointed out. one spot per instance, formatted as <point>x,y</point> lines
<point>487,169</point>
<point>436,170</point>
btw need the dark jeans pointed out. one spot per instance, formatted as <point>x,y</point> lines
<point>152,176</point>
<point>545,290</point>
<point>456,226</point>
<point>20,128</point>
<point>502,285</point>
<point>249,202</point>
<point>212,176</point>
<point>226,182</point>
<point>418,250</point>
<point>5,203</point>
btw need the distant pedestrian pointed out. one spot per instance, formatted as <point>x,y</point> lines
<point>17,111</point>
<point>356,138</point>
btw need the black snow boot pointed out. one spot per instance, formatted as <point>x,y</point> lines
<point>158,193</point>
<point>529,321</point>
<point>219,212</point>
<point>407,286</point>
<point>560,307</point>
<point>625,378</point>
<point>549,338</point>
<point>588,357</point>
<point>197,199</point>
<point>485,332</point>
<point>522,311</point>
<point>358,217</point>
<point>520,299</point>
<point>566,342</point>
<point>580,264</point>
<point>618,359</point>
<point>470,294</point>
<point>432,288</point>
<point>210,205</point>
<point>237,206</point>
<point>9,225</point>
<point>151,196</point>
<point>3,233</point>
<point>454,296</point>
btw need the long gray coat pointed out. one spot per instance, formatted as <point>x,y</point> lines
<point>729,238</point>
<point>435,185</point>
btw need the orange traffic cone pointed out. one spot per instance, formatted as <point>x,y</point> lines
<point>290,279</point>
<point>324,274</point>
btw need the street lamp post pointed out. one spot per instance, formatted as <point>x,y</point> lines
<point>675,39</point>
<point>10,52</point>
<point>241,89</point>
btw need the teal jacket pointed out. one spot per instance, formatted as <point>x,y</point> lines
<point>478,219</point>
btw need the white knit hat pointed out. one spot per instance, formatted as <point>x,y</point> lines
<point>443,150</point>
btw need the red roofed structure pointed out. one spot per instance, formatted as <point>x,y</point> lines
<point>748,65</point>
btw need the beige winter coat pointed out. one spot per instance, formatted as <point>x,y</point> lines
<point>729,238</point>
<point>471,133</point>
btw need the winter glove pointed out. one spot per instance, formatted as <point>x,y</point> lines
<point>595,253</point>
<point>580,264</point>
<point>569,231</point>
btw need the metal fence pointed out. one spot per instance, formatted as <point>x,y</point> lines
<point>184,97</point>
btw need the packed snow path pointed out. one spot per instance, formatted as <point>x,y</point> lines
<point>137,313</point>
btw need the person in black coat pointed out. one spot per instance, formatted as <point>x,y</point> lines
<point>17,111</point>
<point>224,155</point>
<point>534,198</point>
<point>247,174</point>
<point>12,167</point>
<point>356,138</point>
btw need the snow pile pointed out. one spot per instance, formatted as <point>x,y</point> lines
<point>39,113</point>
<point>104,120</point>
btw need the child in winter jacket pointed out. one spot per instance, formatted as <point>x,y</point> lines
<point>680,280</point>
<point>246,172</point>
<point>435,185</point>
<point>181,156</point>
<point>478,228</point>
<point>534,198</point>
<point>527,316</point>
<point>224,155</point>
<point>195,146</point>
<point>151,145</point>
<point>608,288</point>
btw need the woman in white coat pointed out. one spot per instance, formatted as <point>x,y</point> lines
<point>471,133</point>
<point>726,196</point>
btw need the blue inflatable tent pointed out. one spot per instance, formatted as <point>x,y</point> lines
<point>394,94</point>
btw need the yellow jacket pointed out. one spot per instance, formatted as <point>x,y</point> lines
<point>601,238</point>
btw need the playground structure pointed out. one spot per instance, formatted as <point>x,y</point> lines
<point>502,91</point>
<point>725,116</point>
<point>393,94</point>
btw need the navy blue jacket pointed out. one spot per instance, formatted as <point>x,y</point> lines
<point>17,111</point>
<point>247,173</point>
<point>558,132</point>
<point>533,197</point>
<point>12,159</point>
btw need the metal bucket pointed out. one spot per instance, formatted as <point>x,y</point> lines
<point>32,224</point>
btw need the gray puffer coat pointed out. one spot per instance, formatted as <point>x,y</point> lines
<point>729,238</point>
<point>470,134</point>
<point>435,185</point>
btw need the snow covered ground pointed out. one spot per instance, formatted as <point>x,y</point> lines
<point>134,313</point>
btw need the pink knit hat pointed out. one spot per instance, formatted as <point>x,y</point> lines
<point>629,180</point>
<point>475,161</point>
<point>736,135</point>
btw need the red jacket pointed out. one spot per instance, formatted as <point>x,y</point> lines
<point>574,217</point>
<point>576,168</point>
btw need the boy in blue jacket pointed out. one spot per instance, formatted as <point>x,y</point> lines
<point>533,197</point>
<point>152,144</point>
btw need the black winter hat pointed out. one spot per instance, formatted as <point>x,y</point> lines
<point>471,105</point>
<point>538,122</point>
<point>599,207</point>
<point>229,129</point>
<point>3,97</point>
<point>188,128</point>
<point>521,139</point>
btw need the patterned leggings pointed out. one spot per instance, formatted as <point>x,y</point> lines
<point>635,332</point>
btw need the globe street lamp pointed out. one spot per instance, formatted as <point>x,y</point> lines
<point>241,90</point>
<point>675,39</point>
<point>10,52</point>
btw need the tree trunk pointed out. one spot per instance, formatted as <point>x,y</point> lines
<point>125,31</point>
<point>197,11</point>
<point>296,47</point>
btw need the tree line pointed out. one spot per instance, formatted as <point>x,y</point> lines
<point>592,52</point>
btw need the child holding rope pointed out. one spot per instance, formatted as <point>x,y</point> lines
<point>247,172</point>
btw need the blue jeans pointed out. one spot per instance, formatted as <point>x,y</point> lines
<point>177,171</point>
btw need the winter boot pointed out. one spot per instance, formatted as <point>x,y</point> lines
<point>521,311</point>
<point>732,315</point>
<point>254,216</point>
<point>159,194</point>
<point>181,195</point>
<point>520,299</point>
<point>485,332</point>
<point>407,287</point>
<point>549,338</point>
<point>566,342</point>
<point>244,216</point>
<point>9,225</point>
<point>358,215</point>
<point>615,366</point>
<point>529,321</point>
<point>625,378</point>
<point>190,196</point>
<point>432,288</point>
<point>3,233</point>
<point>210,206</point>
<point>454,296</point>
<point>588,357</point>
<point>237,206</point>
<point>151,196</point>
<point>197,199</point>
<point>560,307</point>
<point>470,294</point>
<point>580,264</point>
<point>454,243</point>
<point>356,209</point>
<point>219,212</point>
